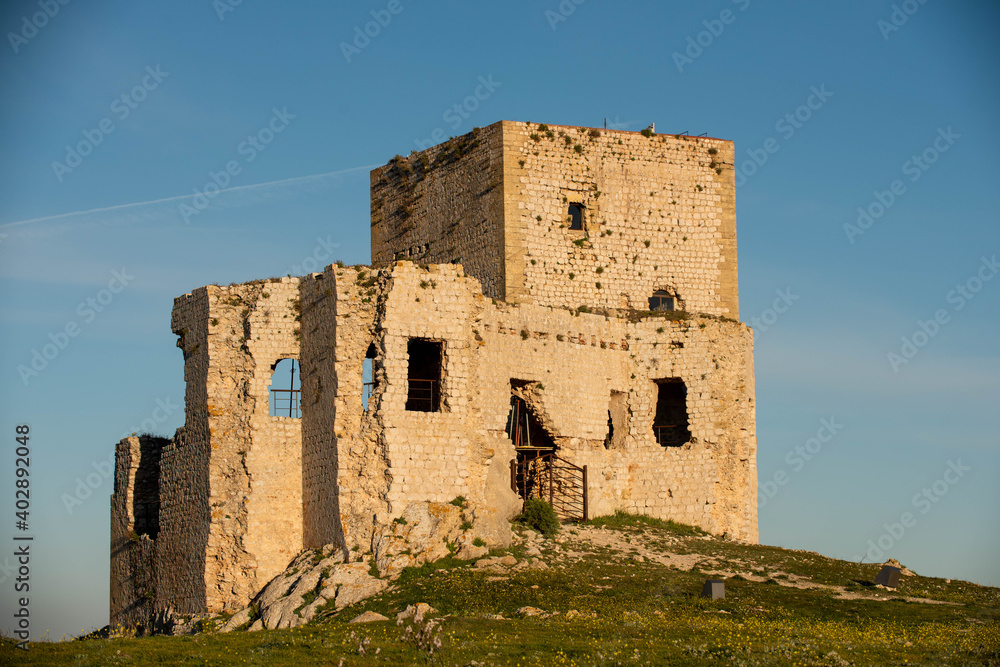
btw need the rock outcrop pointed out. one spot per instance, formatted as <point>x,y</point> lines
<point>425,532</point>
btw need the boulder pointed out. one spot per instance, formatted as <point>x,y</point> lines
<point>368,617</point>
<point>422,532</point>
<point>471,552</point>
<point>236,620</point>
<point>530,611</point>
<point>416,612</point>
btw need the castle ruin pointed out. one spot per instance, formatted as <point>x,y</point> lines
<point>550,311</point>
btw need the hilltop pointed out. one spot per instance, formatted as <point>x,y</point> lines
<point>617,590</point>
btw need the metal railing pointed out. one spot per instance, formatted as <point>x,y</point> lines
<point>368,388</point>
<point>542,474</point>
<point>672,435</point>
<point>287,402</point>
<point>423,395</point>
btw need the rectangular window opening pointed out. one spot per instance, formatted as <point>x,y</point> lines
<point>576,216</point>
<point>670,425</point>
<point>424,375</point>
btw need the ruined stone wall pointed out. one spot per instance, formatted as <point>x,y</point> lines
<point>710,482</point>
<point>344,475</point>
<point>432,456</point>
<point>659,214</point>
<point>255,474</point>
<point>274,460</point>
<point>320,502</point>
<point>134,526</point>
<point>230,481</point>
<point>185,519</point>
<point>575,362</point>
<point>444,204</point>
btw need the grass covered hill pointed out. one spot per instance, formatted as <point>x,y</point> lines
<point>620,590</point>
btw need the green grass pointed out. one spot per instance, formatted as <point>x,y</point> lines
<point>631,612</point>
<point>622,520</point>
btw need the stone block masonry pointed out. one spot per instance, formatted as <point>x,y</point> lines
<point>658,213</point>
<point>517,266</point>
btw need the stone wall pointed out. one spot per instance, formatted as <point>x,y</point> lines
<point>577,362</point>
<point>185,463</point>
<point>659,214</point>
<point>345,478</point>
<point>231,480</point>
<point>444,204</point>
<point>134,527</point>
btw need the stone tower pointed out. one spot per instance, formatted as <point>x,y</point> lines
<point>564,216</point>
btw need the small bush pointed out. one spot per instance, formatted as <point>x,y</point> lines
<point>647,132</point>
<point>459,501</point>
<point>539,515</point>
<point>478,542</point>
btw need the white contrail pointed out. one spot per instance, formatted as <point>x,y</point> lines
<point>187,196</point>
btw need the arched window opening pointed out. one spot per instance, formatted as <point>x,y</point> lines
<point>285,390</point>
<point>368,377</point>
<point>662,300</point>
<point>576,216</point>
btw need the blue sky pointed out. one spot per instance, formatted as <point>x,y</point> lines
<point>199,81</point>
